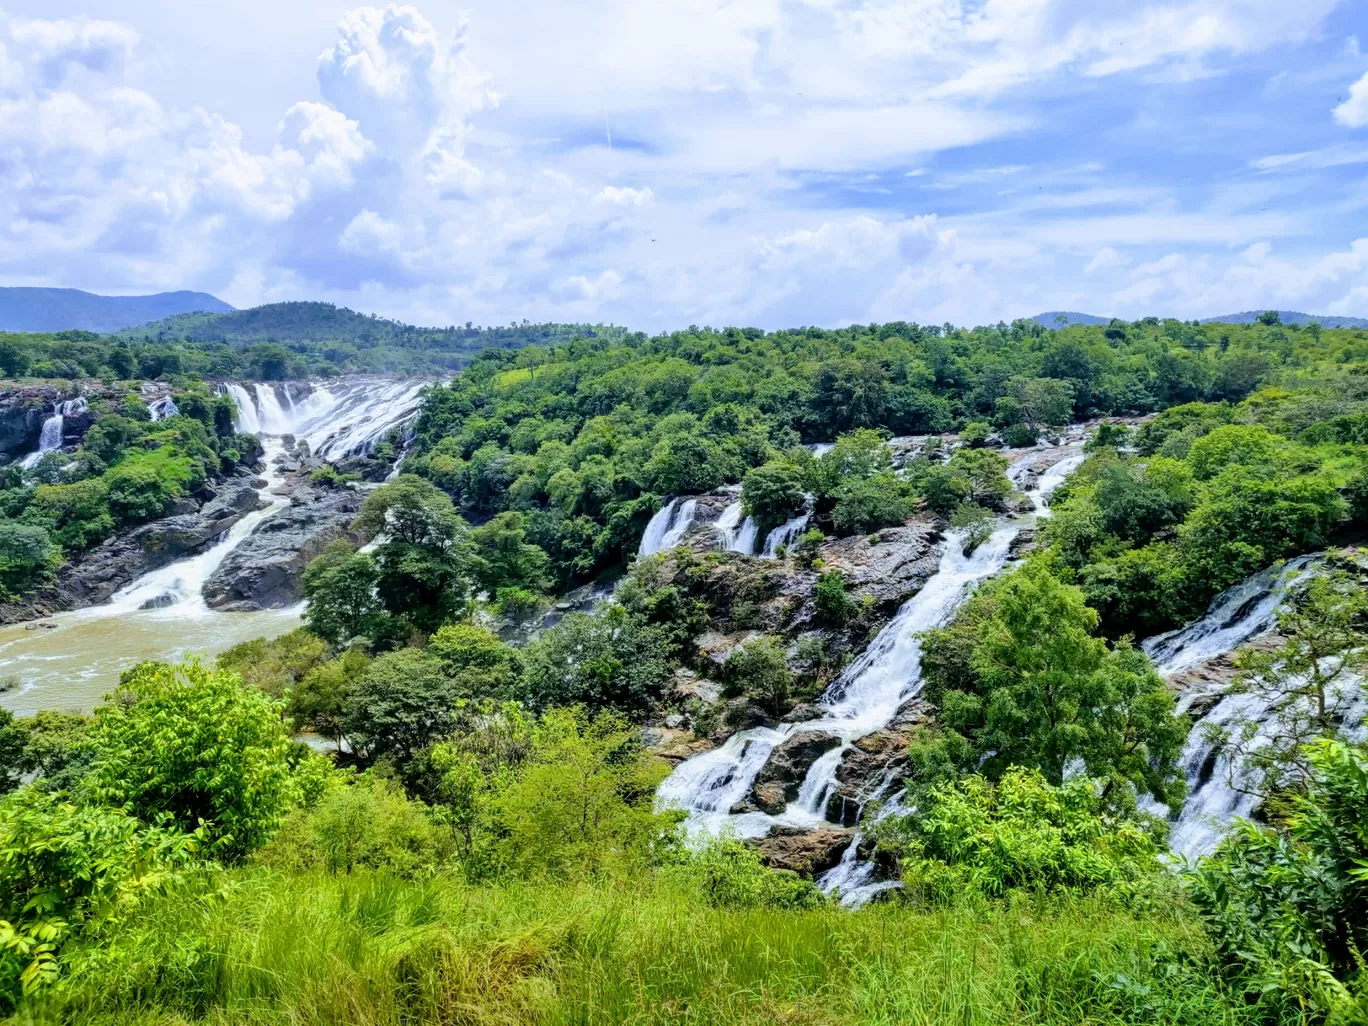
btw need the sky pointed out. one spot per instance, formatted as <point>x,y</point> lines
<point>661,163</point>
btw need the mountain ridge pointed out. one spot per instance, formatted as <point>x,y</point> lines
<point>34,309</point>
<point>1050,319</point>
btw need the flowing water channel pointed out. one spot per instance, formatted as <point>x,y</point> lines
<point>71,660</point>
<point>865,698</point>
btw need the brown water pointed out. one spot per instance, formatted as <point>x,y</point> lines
<point>71,660</point>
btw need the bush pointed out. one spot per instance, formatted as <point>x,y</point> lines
<point>613,659</point>
<point>759,671</point>
<point>401,704</point>
<point>772,494</point>
<point>729,874</point>
<point>138,493</point>
<point>1288,911</point>
<point>829,597</point>
<point>366,822</point>
<point>198,747</point>
<point>975,837</point>
<point>69,871</point>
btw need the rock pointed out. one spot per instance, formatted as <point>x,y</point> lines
<point>808,853</point>
<point>232,501</point>
<point>889,570</point>
<point>264,571</point>
<point>688,686</point>
<point>770,797</point>
<point>181,507</point>
<point>674,721</point>
<point>790,761</point>
<point>676,745</point>
<point>802,712</point>
<point>371,470</point>
<point>741,715</point>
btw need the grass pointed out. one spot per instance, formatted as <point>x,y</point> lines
<point>265,948</point>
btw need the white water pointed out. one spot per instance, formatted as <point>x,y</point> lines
<point>667,527</point>
<point>864,699</point>
<point>785,534</point>
<point>50,437</point>
<point>162,408</point>
<point>734,533</point>
<point>1246,611</point>
<point>338,419</point>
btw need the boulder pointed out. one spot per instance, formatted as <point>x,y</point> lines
<point>790,761</point>
<point>265,570</point>
<point>808,853</point>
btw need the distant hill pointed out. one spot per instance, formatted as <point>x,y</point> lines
<point>1290,317</point>
<point>323,327</point>
<point>37,309</point>
<point>1051,319</point>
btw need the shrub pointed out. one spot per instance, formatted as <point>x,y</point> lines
<point>772,494</point>
<point>865,504</point>
<point>27,558</point>
<point>198,747</point>
<point>138,493</point>
<point>759,671</point>
<point>366,822</point>
<point>729,874</point>
<point>829,598</point>
<point>972,836</point>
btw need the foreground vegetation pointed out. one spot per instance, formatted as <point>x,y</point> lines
<point>483,845</point>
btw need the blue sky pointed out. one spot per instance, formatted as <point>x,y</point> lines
<point>656,164</point>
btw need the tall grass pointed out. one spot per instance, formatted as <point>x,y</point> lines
<point>266,948</point>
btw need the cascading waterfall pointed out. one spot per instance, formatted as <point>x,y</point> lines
<point>338,419</point>
<point>865,698</point>
<point>162,408</point>
<point>50,437</point>
<point>667,527</point>
<point>735,533</point>
<point>1240,614</point>
<point>162,615</point>
<point>784,535</point>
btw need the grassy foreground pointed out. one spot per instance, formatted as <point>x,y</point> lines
<point>262,947</point>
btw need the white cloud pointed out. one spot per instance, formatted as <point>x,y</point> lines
<point>605,286</point>
<point>625,197</point>
<point>54,47</point>
<point>1354,110</point>
<point>369,233</point>
<point>1104,259</point>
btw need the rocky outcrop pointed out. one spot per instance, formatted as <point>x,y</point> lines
<point>22,412</point>
<point>100,572</point>
<point>787,766</point>
<point>264,571</point>
<point>808,853</point>
<point>888,566</point>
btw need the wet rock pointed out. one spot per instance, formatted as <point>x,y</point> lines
<point>371,470</point>
<point>264,571</point>
<point>808,853</point>
<point>802,712</point>
<point>742,715</point>
<point>891,567</point>
<point>770,797</point>
<point>790,761</point>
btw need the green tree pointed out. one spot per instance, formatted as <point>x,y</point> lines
<point>401,704</point>
<point>503,558</point>
<point>1028,684</point>
<point>865,504</point>
<point>340,586</point>
<point>196,746</point>
<point>609,660</point>
<point>772,494</point>
<point>27,558</point>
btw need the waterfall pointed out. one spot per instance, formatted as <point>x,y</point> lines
<point>338,419</point>
<point>865,698</point>
<point>820,449</point>
<point>50,437</point>
<point>784,535</point>
<point>735,534</point>
<point>667,527</point>
<point>1237,615</point>
<point>162,408</point>
<point>1245,611</point>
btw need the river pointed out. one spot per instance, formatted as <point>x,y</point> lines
<point>71,660</point>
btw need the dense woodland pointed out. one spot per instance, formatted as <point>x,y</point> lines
<point>482,845</point>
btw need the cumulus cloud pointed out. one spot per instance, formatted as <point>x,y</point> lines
<point>55,47</point>
<point>625,197</point>
<point>1354,110</point>
<point>1104,259</point>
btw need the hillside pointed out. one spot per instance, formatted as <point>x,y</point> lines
<point>39,309</point>
<point>1050,318</point>
<point>1290,317</point>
